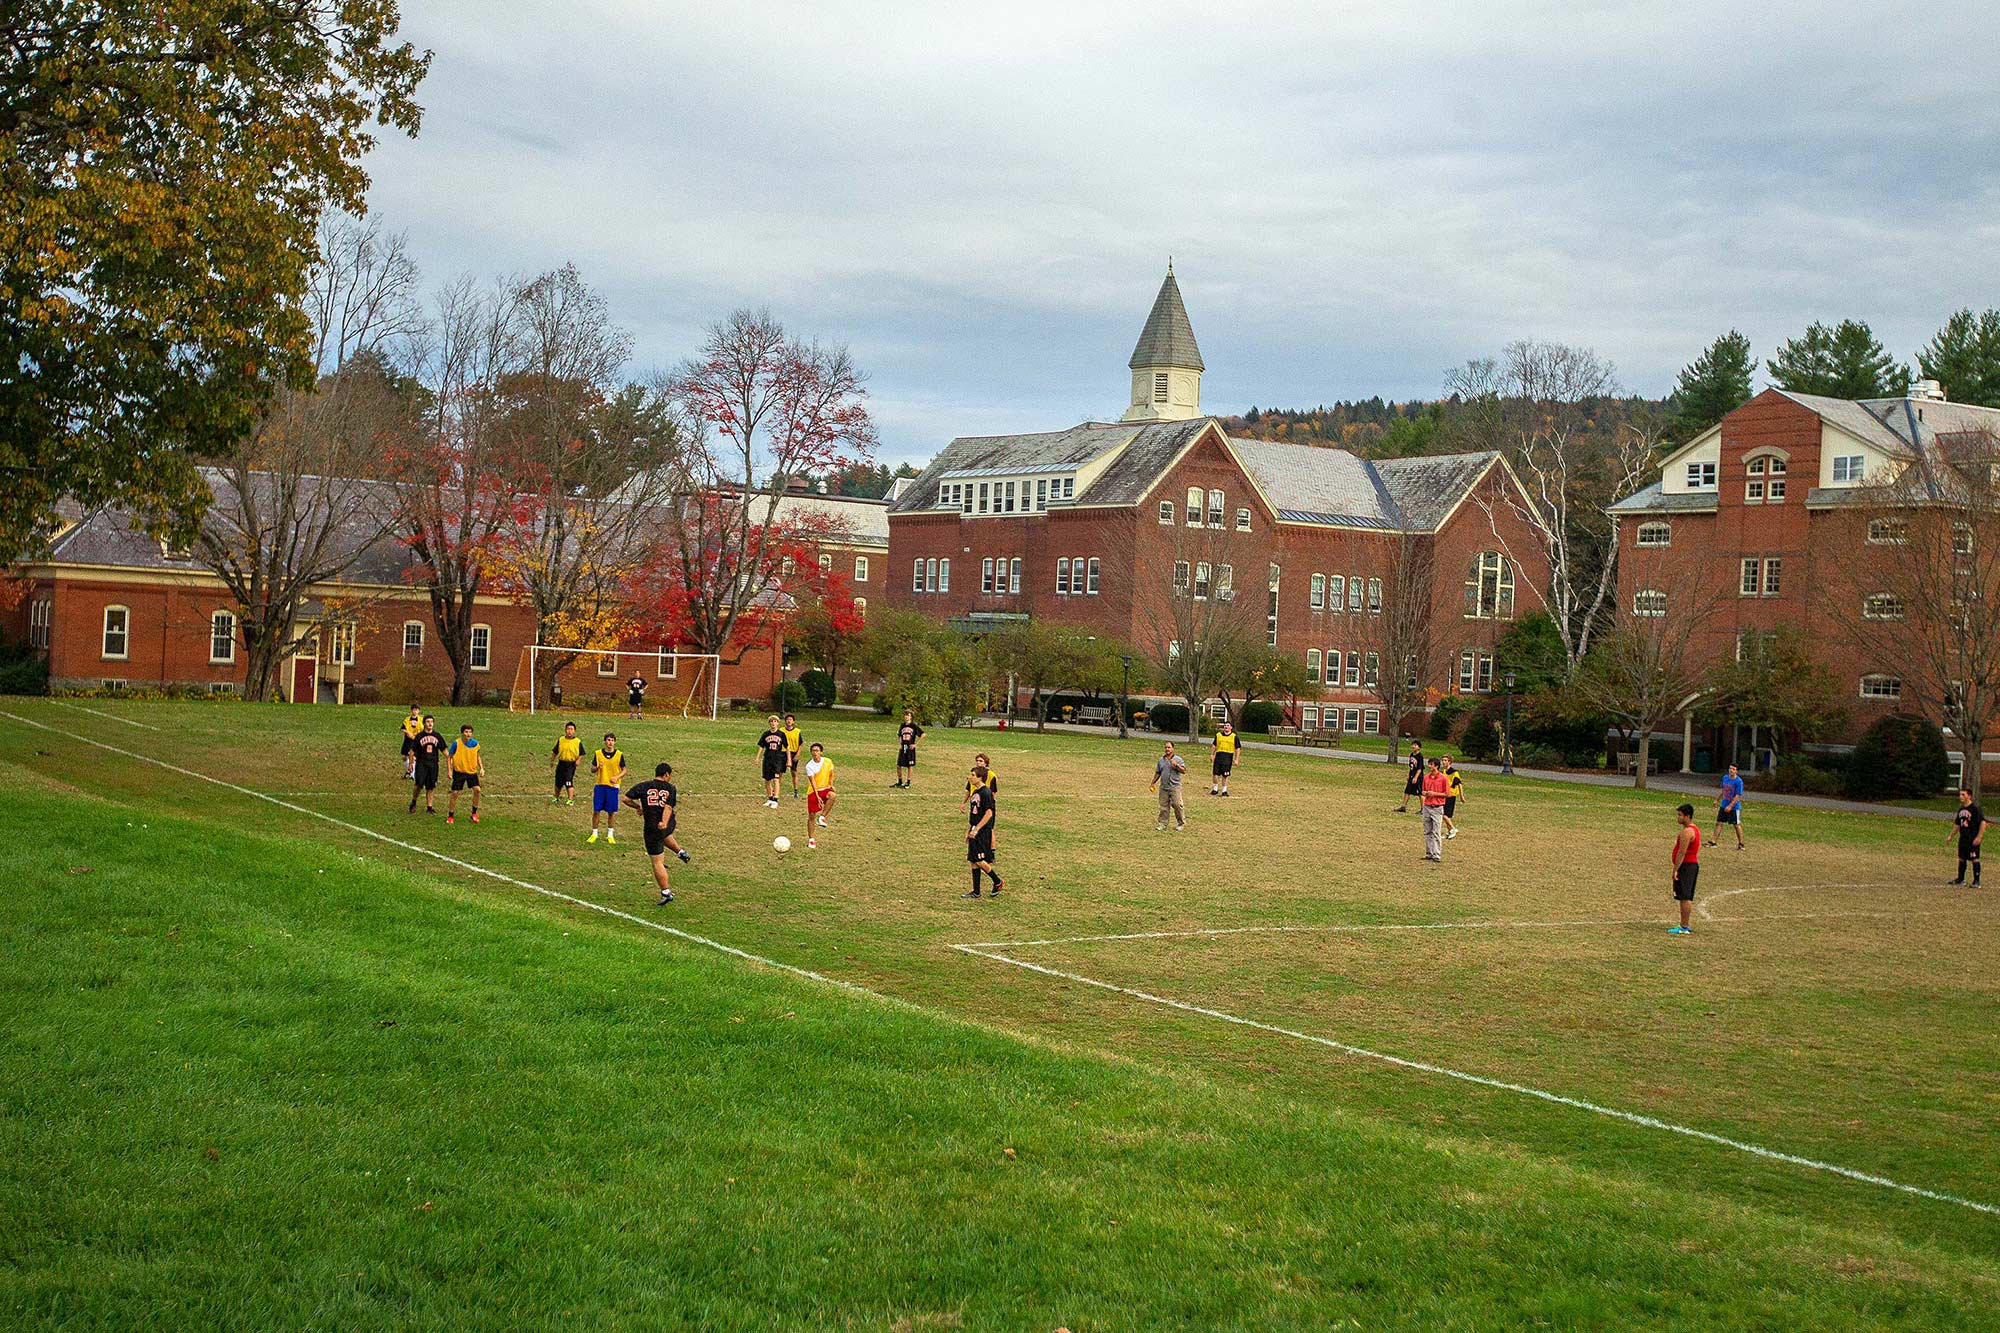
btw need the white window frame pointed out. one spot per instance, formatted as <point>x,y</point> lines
<point>1014,575</point>
<point>218,634</point>
<point>41,622</point>
<point>826,563</point>
<point>1888,531</point>
<point>986,574</point>
<point>1374,597</point>
<point>607,664</point>
<point>1203,575</point>
<point>1318,592</point>
<point>1961,538</point>
<point>418,650</point>
<point>1701,476</point>
<point>1350,719</point>
<point>1357,596</point>
<point>1496,567</point>
<point>1334,659</point>
<point>479,648</point>
<point>1353,677</point>
<point>944,575</point>
<point>1309,717</point>
<point>1750,577</point>
<point>1371,722</point>
<point>1092,572</point>
<point>1882,606</point>
<point>917,576</point>
<point>1312,666</point>
<point>1216,509</point>
<point>1041,493</point>
<point>124,633</point>
<point>668,666</point>
<point>1166,513</point>
<point>1663,531</point>
<point>1183,577</point>
<point>1062,576</point>
<point>340,641</point>
<point>1649,602</point>
<point>1159,386</point>
<point>1225,582</point>
<point>1880,688</point>
<point>1848,469</point>
<point>1774,576</point>
<point>1336,592</point>
<point>1243,520</point>
<point>1194,499</point>
<point>861,569</point>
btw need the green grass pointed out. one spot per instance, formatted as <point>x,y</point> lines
<point>246,1048</point>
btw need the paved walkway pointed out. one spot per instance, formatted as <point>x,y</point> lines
<point>1679,783</point>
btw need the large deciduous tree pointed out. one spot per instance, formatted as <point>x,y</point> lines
<point>1404,636</point>
<point>1712,386</point>
<point>163,168</point>
<point>1191,622</point>
<point>1844,361</point>
<point>1964,357</point>
<point>1647,669</point>
<point>776,408</point>
<point>1534,406</point>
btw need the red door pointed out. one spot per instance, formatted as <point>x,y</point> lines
<point>305,680</point>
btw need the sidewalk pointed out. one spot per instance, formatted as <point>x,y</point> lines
<point>1684,784</point>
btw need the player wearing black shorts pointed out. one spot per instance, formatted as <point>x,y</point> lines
<point>635,695</point>
<point>658,802</point>
<point>1687,866</point>
<point>1413,781</point>
<point>983,811</point>
<point>1969,824</point>
<point>907,736</point>
<point>412,724</point>
<point>775,759</point>
<point>426,749</point>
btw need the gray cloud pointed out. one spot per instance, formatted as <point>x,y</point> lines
<point>980,203</point>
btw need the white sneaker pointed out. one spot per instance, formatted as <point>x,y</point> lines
<point>1159,828</point>
<point>812,844</point>
<point>822,821</point>
<point>1452,834</point>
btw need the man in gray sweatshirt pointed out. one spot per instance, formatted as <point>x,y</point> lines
<point>1167,775</point>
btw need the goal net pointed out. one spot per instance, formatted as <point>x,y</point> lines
<point>598,680</point>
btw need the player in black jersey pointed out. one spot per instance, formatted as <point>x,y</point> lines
<point>775,758</point>
<point>907,736</point>
<point>983,811</point>
<point>426,748</point>
<point>658,802</point>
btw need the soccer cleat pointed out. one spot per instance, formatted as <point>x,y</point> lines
<point>666,896</point>
<point>592,837</point>
<point>822,821</point>
<point>686,857</point>
<point>1159,828</point>
<point>475,816</point>
<point>997,886</point>
<point>1954,883</point>
<point>611,835</point>
<point>1679,930</point>
<point>974,894</point>
<point>451,819</point>
<point>1451,835</point>
<point>812,844</point>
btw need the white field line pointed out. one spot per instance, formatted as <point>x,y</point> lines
<point>143,726</point>
<point>688,936</point>
<point>1519,1089</point>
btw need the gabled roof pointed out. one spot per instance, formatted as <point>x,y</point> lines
<point>1899,426</point>
<point>1168,338</point>
<point>1144,451</point>
<point>1309,484</point>
<point>1427,489</point>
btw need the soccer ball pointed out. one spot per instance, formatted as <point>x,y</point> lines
<point>782,843</point>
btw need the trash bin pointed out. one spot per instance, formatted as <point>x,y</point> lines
<point>1704,759</point>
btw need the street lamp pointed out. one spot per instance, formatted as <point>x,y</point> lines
<point>1124,678</point>
<point>1507,742</point>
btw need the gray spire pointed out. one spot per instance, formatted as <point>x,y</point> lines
<point>1168,338</point>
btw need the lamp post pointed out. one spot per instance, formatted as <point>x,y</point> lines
<point>1507,741</point>
<point>1124,679</point>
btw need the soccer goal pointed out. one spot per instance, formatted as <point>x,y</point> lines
<point>688,684</point>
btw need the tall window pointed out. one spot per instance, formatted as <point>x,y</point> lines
<point>1336,592</point>
<point>1215,507</point>
<point>1159,386</point>
<point>1353,670</point>
<point>1373,677</point>
<point>1225,582</point>
<point>1312,666</point>
<point>1753,488</point>
<point>117,631</point>
<point>481,657</point>
<point>982,496</point>
<point>665,663</point>
<point>1243,520</point>
<point>1773,567</point>
<point>1062,577</point>
<point>1961,539</point>
<point>1181,579</point>
<point>1069,488</point>
<point>1194,506</point>
<point>1655,534</point>
<point>222,637</point>
<point>1041,492</point>
<point>826,564</point>
<point>1271,610</point>
<point>1318,591</point>
<point>965,498</point>
<point>1649,602</point>
<point>1750,582</point>
<point>1014,575</point>
<point>340,643</point>
<point>986,575</point>
<point>1332,667</point>
<point>1356,597</point>
<point>861,569</point>
<point>413,638</point>
<point>1489,587</point>
<point>930,575</point>
<point>861,608</point>
<point>1374,597</point>
<point>1093,576</point>
<point>41,617</point>
<point>944,575</point>
<point>1201,579</point>
<point>917,577</point>
<point>1010,497</point>
<point>1166,513</point>
<point>1475,671</point>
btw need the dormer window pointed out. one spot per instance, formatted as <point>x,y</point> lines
<point>1701,476</point>
<point>1848,469</point>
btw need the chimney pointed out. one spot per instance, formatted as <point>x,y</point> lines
<point>1928,390</point>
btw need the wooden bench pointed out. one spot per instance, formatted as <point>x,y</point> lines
<point>1095,715</point>
<point>1288,735</point>
<point>1323,736</point>
<point>1629,763</point>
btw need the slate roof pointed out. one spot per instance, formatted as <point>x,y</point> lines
<point>1148,447</point>
<point>1652,499</point>
<point>1427,489</point>
<point>1168,338</point>
<point>1903,426</point>
<point>1314,485</point>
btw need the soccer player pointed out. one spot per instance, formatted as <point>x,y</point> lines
<point>658,803</point>
<point>907,736</point>
<point>1226,744</point>
<point>425,751</point>
<point>607,775</point>
<point>771,746</point>
<point>1729,806</point>
<point>412,724</point>
<point>1454,793</point>
<point>1687,865</point>
<point>635,694</point>
<point>984,809</point>
<point>1167,774</point>
<point>1413,781</point>
<point>468,770</point>
<point>563,758</point>
<point>974,782</point>
<point>819,791</point>
<point>1970,824</point>
<point>1434,788</point>
<point>792,736</point>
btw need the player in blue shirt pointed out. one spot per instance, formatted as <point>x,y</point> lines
<point>1729,807</point>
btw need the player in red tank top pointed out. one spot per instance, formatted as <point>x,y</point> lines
<point>1687,865</point>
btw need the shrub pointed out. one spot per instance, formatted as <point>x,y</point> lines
<point>1899,756</point>
<point>1171,718</point>
<point>1445,717</point>
<point>1261,716</point>
<point>1535,755</point>
<point>1480,739</point>
<point>789,697</point>
<point>879,701</point>
<point>819,687</point>
<point>410,681</point>
<point>24,675</point>
<point>1818,775</point>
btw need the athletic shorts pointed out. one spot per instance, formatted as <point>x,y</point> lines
<point>565,772</point>
<point>792,762</point>
<point>409,744</point>
<point>1729,816</point>
<point>656,838</point>
<point>1450,806</point>
<point>1968,851</point>
<point>1685,875</point>
<point>817,800</point>
<point>1413,788</point>
<point>635,699</point>
<point>980,849</point>
<point>1223,763</point>
<point>460,781</point>
<point>774,765</point>
<point>906,757</point>
<point>603,800</point>
<point>426,777</point>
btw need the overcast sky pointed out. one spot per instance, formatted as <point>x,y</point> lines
<point>981,203</point>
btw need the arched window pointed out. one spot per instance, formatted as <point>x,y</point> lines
<point>1194,506</point>
<point>1489,587</point>
<point>1215,507</point>
<point>1062,577</point>
<point>1093,575</point>
<point>1014,575</point>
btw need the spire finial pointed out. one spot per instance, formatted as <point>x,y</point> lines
<point>1170,266</point>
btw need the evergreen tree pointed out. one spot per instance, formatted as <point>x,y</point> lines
<point>1713,385</point>
<point>1965,358</point>
<point>1844,361</point>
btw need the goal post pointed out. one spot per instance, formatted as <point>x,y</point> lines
<point>594,680</point>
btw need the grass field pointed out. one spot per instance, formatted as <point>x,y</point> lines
<point>326,1062</point>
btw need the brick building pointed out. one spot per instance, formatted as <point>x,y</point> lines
<point>1757,517</point>
<point>1089,526</point>
<point>112,608</point>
